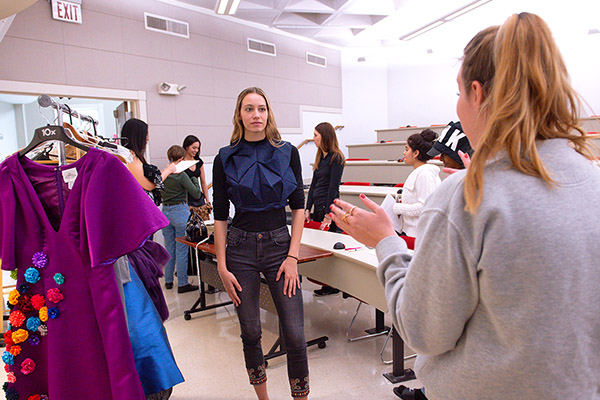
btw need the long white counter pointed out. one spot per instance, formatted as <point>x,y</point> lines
<point>380,171</point>
<point>377,151</point>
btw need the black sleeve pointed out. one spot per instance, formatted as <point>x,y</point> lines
<point>220,200</point>
<point>311,192</point>
<point>337,169</point>
<point>296,199</point>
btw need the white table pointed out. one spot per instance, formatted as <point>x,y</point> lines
<point>353,272</point>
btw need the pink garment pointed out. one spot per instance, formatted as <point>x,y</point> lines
<point>83,230</point>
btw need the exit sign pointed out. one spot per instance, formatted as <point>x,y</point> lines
<point>66,11</point>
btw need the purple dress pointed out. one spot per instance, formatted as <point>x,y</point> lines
<point>73,340</point>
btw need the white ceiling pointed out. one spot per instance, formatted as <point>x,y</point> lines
<point>335,22</point>
<point>380,23</point>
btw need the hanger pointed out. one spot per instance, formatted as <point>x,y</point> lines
<point>120,152</point>
<point>48,133</point>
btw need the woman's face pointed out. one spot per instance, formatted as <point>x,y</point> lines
<point>254,113</point>
<point>193,149</point>
<point>317,138</point>
<point>467,109</point>
<point>410,156</point>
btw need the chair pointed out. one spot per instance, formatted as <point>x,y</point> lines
<point>315,225</point>
<point>357,183</point>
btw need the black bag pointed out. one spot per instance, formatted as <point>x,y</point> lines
<point>195,230</point>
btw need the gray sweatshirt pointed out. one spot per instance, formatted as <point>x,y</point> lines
<point>504,304</point>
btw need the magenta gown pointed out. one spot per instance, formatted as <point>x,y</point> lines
<point>78,347</point>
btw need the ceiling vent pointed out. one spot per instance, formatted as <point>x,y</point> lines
<point>317,60</point>
<point>257,46</point>
<point>166,25</point>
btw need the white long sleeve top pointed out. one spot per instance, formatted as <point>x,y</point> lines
<point>418,186</point>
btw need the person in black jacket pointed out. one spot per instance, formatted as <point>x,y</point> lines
<point>327,176</point>
<point>325,185</point>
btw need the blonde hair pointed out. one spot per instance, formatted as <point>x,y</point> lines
<point>527,97</point>
<point>271,131</point>
<point>329,144</point>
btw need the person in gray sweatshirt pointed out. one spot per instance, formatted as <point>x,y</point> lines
<point>500,298</point>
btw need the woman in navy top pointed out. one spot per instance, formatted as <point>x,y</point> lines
<point>261,174</point>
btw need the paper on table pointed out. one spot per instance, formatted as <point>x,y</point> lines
<point>183,165</point>
<point>388,205</point>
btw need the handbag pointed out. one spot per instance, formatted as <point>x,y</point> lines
<point>195,229</point>
<point>202,211</point>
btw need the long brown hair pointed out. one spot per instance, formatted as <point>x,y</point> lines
<point>271,131</point>
<point>527,97</point>
<point>329,144</point>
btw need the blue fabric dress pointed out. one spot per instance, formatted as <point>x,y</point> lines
<point>154,359</point>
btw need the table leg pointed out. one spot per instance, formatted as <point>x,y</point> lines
<point>399,373</point>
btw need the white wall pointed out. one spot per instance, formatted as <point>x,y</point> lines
<point>365,101</point>
<point>422,95</point>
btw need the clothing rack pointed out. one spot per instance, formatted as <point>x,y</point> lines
<point>47,101</point>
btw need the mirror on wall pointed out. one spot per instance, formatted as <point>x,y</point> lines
<point>20,115</point>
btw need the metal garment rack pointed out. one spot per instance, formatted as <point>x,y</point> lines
<point>47,101</point>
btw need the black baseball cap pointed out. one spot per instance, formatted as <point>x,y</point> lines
<point>450,141</point>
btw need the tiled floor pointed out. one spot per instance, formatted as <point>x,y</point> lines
<point>208,350</point>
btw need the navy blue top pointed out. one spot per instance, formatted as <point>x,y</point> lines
<point>259,179</point>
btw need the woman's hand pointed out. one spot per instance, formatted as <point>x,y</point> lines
<point>465,159</point>
<point>365,226</point>
<point>231,285</point>
<point>289,268</point>
<point>326,222</point>
<point>307,215</point>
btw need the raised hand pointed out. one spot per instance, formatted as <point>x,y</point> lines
<point>465,159</point>
<point>368,227</point>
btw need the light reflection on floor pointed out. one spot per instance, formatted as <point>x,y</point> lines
<point>208,351</point>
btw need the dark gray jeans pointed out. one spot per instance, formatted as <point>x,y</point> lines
<point>248,255</point>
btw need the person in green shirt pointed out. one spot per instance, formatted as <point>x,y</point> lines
<point>175,208</point>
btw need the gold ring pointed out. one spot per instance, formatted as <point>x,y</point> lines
<point>345,217</point>
<point>352,209</point>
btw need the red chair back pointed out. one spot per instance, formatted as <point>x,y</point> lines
<point>410,242</point>
<point>314,225</point>
<point>357,183</point>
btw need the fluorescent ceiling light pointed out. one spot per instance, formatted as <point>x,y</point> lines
<point>234,6</point>
<point>422,30</point>
<point>227,6</point>
<point>466,9</point>
<point>444,19</point>
<point>221,6</point>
